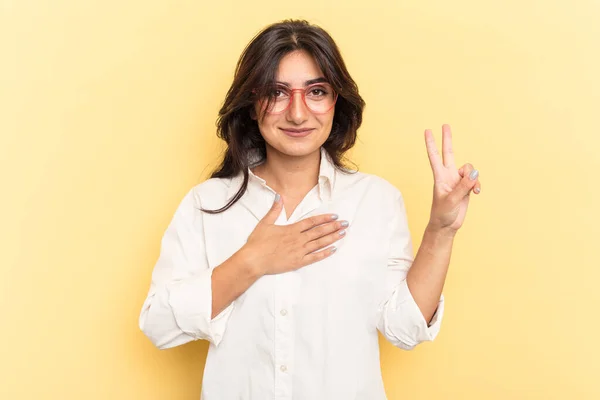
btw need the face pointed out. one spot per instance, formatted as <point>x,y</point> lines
<point>297,131</point>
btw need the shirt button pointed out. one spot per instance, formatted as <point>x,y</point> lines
<point>283,368</point>
<point>283,312</point>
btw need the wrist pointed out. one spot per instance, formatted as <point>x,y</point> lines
<point>249,262</point>
<point>438,231</point>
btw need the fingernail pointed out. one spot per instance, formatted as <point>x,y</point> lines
<point>333,249</point>
<point>344,223</point>
<point>342,233</point>
<point>474,174</point>
<point>334,216</point>
<point>277,197</point>
<point>477,190</point>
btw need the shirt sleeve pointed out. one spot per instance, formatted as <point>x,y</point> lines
<point>178,307</point>
<point>399,318</point>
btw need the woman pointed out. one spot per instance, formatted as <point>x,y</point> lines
<point>287,262</point>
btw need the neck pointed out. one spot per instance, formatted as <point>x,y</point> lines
<point>290,175</point>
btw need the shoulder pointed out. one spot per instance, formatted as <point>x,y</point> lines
<point>360,181</point>
<point>373,194</point>
<point>212,192</point>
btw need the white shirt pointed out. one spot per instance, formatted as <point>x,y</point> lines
<point>309,334</point>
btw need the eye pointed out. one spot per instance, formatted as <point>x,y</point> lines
<point>317,92</point>
<point>277,92</point>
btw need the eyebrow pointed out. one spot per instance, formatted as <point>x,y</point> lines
<point>306,83</point>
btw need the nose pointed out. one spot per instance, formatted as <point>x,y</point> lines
<point>297,113</point>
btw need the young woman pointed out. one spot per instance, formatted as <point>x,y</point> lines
<point>287,262</point>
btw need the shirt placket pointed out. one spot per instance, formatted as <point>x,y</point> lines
<point>285,289</point>
<point>284,341</point>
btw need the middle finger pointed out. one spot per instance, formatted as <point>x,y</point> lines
<point>325,229</point>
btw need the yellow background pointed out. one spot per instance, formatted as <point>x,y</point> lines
<point>107,118</point>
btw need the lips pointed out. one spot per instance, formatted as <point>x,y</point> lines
<point>297,132</point>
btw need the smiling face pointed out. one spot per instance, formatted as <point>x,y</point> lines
<point>297,130</point>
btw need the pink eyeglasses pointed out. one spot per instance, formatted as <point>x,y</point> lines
<point>319,98</point>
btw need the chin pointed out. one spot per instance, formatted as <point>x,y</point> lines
<point>298,148</point>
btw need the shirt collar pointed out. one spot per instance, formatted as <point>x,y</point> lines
<point>327,175</point>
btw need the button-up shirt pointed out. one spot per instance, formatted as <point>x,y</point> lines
<point>308,334</point>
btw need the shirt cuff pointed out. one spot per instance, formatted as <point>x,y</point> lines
<point>191,302</point>
<point>403,323</point>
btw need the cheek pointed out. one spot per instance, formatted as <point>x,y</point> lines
<point>326,120</point>
<point>267,124</point>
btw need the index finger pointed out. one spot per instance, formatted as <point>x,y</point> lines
<point>432,151</point>
<point>311,222</point>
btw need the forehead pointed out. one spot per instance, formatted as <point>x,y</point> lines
<point>296,68</point>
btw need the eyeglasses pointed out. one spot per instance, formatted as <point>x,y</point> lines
<point>318,98</point>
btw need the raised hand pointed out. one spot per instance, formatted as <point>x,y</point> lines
<point>274,249</point>
<point>452,187</point>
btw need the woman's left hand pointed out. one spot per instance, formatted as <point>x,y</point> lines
<point>452,187</point>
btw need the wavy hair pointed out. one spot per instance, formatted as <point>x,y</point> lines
<point>256,68</point>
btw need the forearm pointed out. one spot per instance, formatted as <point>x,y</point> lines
<point>427,274</point>
<point>230,279</point>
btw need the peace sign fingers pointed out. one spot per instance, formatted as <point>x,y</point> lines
<point>446,160</point>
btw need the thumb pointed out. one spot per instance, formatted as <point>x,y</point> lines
<point>466,184</point>
<point>274,212</point>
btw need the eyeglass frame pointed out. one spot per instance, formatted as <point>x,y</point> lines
<point>303,92</point>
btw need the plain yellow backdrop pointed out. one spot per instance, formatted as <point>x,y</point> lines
<point>107,118</point>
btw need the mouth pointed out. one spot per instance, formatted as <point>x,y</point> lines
<point>297,132</point>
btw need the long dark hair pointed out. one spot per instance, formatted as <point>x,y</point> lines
<point>256,68</point>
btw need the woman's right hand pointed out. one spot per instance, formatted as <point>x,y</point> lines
<point>274,249</point>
